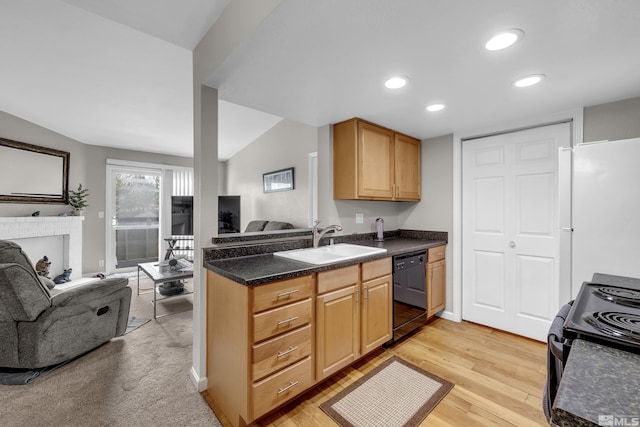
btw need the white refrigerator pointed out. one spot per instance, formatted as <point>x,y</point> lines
<point>601,221</point>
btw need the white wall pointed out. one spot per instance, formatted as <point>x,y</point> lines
<point>435,210</point>
<point>287,144</point>
<point>612,121</point>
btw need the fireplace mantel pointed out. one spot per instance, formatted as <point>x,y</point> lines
<point>69,228</point>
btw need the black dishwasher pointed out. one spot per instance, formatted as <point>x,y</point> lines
<point>409,293</point>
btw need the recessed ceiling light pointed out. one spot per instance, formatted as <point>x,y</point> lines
<point>435,107</point>
<point>529,80</point>
<point>396,82</point>
<point>504,39</point>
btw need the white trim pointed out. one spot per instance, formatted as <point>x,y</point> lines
<point>131,164</point>
<point>448,315</point>
<point>577,118</point>
<point>201,384</point>
<point>123,165</point>
<point>313,188</point>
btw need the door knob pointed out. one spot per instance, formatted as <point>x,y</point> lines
<point>512,244</point>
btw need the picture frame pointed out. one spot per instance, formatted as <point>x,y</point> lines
<point>280,180</point>
<point>33,174</point>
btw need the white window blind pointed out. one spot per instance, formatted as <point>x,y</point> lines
<point>183,182</point>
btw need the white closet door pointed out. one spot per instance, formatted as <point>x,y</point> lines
<point>510,243</point>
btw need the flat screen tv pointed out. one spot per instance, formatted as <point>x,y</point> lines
<point>182,215</point>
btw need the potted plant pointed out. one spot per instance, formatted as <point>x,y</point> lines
<point>226,218</point>
<point>78,200</point>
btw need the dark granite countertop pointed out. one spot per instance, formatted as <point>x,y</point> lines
<point>264,268</point>
<point>598,380</point>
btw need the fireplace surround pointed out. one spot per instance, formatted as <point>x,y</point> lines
<point>58,237</point>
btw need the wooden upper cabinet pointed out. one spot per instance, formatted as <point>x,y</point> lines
<point>371,162</point>
<point>407,167</point>
<point>375,162</point>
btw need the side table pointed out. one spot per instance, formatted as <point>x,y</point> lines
<point>162,272</point>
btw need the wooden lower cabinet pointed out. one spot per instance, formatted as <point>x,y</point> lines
<point>281,387</point>
<point>267,344</point>
<point>259,345</point>
<point>377,316</point>
<point>355,319</point>
<point>436,280</point>
<point>337,330</point>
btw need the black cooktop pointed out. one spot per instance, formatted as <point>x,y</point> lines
<point>607,314</point>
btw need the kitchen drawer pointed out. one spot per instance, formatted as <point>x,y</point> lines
<point>332,280</point>
<point>277,294</point>
<point>279,388</point>
<point>436,254</point>
<point>378,268</point>
<point>280,320</point>
<point>281,351</point>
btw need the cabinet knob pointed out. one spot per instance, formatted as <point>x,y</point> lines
<point>512,244</point>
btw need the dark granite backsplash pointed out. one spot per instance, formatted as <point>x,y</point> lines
<point>280,242</point>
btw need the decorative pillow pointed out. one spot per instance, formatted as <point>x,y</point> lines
<point>50,284</point>
<point>277,225</point>
<point>257,225</point>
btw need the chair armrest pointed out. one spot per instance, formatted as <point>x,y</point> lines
<point>89,292</point>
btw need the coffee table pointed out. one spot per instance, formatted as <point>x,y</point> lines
<point>162,272</point>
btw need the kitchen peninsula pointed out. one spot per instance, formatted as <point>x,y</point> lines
<point>276,327</point>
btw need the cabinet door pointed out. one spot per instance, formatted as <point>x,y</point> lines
<point>407,168</point>
<point>337,327</point>
<point>376,326</point>
<point>375,162</point>
<point>436,287</point>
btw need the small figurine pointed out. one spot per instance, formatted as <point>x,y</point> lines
<point>42,267</point>
<point>64,277</point>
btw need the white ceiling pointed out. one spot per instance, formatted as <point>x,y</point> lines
<point>321,62</point>
<point>119,73</point>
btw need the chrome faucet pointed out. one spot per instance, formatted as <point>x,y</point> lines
<point>317,234</point>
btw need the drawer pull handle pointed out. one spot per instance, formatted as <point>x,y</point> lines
<point>284,353</point>
<point>286,294</point>
<point>291,384</point>
<point>291,319</point>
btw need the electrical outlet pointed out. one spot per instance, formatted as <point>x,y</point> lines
<point>100,263</point>
<point>359,218</point>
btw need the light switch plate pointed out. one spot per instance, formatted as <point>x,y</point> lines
<point>359,218</point>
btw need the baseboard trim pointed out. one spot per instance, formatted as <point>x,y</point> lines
<point>199,383</point>
<point>448,315</point>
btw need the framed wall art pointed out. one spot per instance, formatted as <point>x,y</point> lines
<point>281,180</point>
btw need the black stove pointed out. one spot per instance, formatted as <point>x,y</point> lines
<point>606,314</point>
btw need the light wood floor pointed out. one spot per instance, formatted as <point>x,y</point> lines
<point>498,378</point>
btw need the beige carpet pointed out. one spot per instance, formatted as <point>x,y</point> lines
<point>395,393</point>
<point>139,379</point>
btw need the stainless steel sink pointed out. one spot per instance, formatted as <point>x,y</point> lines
<point>330,253</point>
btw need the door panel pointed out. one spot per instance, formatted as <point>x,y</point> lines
<point>510,229</point>
<point>489,280</point>
<point>535,275</point>
<point>376,160</point>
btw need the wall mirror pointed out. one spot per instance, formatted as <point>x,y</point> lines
<point>32,174</point>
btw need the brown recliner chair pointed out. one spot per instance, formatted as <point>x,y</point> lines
<point>41,328</point>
